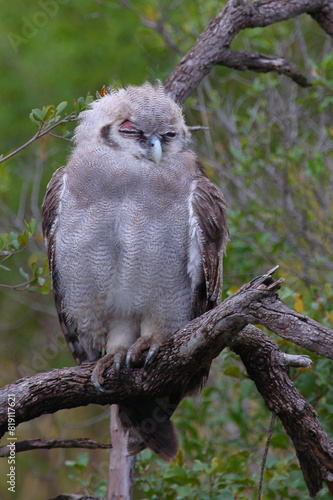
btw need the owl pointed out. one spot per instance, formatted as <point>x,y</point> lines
<point>135,233</point>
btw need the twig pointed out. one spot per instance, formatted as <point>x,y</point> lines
<point>41,132</point>
<point>35,444</point>
<point>21,287</point>
<point>58,136</point>
<point>264,458</point>
<point>74,496</point>
<point>194,128</point>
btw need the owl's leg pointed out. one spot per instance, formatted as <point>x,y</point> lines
<point>151,338</point>
<point>122,334</point>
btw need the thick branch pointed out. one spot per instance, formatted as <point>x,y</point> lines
<point>197,343</point>
<point>213,45</point>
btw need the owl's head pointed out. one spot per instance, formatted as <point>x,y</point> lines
<point>144,121</point>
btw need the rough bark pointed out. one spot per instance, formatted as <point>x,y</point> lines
<point>213,45</point>
<point>186,352</point>
<point>324,17</point>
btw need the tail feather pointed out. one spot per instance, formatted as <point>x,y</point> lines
<point>148,422</point>
<point>149,426</point>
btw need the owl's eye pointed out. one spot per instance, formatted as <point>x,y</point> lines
<point>128,129</point>
<point>169,135</point>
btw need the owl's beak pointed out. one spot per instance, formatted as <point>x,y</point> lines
<point>155,148</point>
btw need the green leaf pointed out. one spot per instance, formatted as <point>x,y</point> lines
<point>49,112</point>
<point>70,463</point>
<point>82,461</point>
<point>46,267</point>
<point>4,267</point>
<point>61,107</point>
<point>31,226</point>
<point>24,274</point>
<point>184,491</point>
<point>23,238</point>
<point>44,289</point>
<point>38,114</point>
<point>35,270</point>
<point>15,244</point>
<point>68,134</point>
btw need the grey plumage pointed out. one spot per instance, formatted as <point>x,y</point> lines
<point>135,233</point>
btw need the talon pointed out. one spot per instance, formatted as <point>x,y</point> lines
<point>117,362</point>
<point>128,360</point>
<point>97,377</point>
<point>151,353</point>
<point>98,385</point>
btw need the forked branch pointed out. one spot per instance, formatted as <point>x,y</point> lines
<point>213,45</point>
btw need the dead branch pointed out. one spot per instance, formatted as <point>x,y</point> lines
<point>213,45</point>
<point>39,444</point>
<point>183,356</point>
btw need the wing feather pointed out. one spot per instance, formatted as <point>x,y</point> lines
<point>51,210</point>
<point>209,235</point>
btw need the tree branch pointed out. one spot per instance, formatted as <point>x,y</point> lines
<point>183,356</point>
<point>41,132</point>
<point>213,45</point>
<point>261,63</point>
<point>262,359</point>
<point>324,17</point>
<point>38,444</point>
<point>74,496</point>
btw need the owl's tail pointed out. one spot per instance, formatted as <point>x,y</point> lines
<point>149,426</point>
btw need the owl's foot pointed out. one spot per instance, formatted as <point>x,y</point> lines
<point>97,376</point>
<point>130,357</point>
<point>136,349</point>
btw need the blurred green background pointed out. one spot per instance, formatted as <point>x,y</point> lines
<point>269,148</point>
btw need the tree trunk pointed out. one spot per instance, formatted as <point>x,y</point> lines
<point>121,465</point>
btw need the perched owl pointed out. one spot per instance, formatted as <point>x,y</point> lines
<point>135,233</point>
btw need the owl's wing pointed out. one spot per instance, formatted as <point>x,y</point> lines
<point>51,209</point>
<point>209,235</point>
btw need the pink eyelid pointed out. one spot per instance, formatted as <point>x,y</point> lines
<point>127,126</point>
